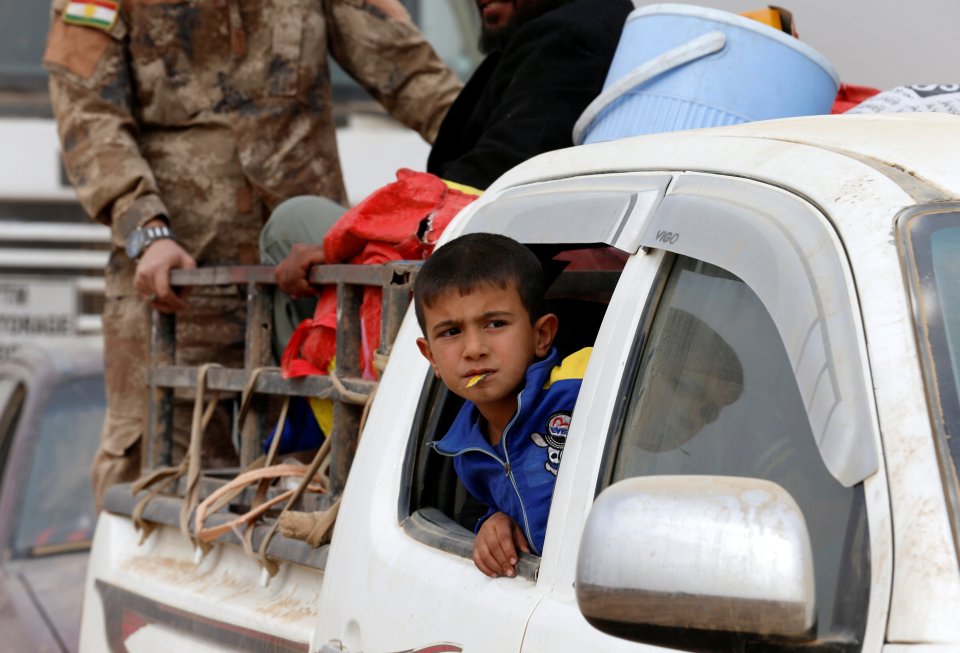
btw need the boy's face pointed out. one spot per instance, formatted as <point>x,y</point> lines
<point>487,331</point>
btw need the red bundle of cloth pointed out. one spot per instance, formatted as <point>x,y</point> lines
<point>400,221</point>
<point>849,96</point>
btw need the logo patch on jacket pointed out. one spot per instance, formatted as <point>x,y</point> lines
<point>553,439</point>
<point>101,14</point>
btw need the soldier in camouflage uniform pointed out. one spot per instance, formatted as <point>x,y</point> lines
<point>204,115</point>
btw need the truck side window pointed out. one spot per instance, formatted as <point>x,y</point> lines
<point>714,394</point>
<point>583,280</point>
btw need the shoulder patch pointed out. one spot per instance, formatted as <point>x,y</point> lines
<point>99,14</point>
<point>572,367</point>
<point>76,49</point>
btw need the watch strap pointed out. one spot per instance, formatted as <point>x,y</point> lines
<point>146,236</point>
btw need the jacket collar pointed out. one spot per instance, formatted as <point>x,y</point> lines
<point>465,433</point>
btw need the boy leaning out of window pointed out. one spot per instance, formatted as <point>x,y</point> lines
<point>480,302</point>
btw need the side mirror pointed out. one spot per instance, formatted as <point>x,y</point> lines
<point>664,557</point>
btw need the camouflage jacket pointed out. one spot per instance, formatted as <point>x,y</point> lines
<point>204,107</point>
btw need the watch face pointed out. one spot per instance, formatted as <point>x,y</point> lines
<point>135,243</point>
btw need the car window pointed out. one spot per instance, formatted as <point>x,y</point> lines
<point>714,394</point>
<point>793,261</point>
<point>583,282</point>
<point>57,508</point>
<point>930,241</point>
<point>934,241</point>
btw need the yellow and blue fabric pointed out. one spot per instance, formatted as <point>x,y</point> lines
<point>308,420</point>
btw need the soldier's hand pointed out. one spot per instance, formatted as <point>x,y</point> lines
<point>496,546</point>
<point>292,271</point>
<point>152,279</point>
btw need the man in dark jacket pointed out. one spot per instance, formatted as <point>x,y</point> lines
<point>546,61</point>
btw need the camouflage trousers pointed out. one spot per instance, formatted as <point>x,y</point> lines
<point>210,330</point>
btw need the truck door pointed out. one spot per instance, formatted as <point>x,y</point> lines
<point>401,577</point>
<point>746,358</point>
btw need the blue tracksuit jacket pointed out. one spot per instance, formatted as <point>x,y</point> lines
<point>517,476</point>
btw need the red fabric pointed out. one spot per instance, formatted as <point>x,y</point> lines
<point>400,221</point>
<point>850,96</point>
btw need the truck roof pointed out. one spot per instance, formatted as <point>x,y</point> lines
<point>895,159</point>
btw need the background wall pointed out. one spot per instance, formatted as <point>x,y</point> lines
<point>879,43</point>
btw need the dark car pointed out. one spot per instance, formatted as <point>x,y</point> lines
<point>51,410</point>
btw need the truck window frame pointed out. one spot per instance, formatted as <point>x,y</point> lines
<point>846,601</point>
<point>803,271</point>
<point>914,227</point>
<point>434,506</point>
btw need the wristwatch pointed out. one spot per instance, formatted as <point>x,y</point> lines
<point>143,237</point>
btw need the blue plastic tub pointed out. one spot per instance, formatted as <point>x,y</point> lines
<point>682,66</point>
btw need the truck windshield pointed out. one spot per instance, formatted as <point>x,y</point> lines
<point>934,257</point>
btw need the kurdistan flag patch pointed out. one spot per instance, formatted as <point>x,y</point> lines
<point>101,14</point>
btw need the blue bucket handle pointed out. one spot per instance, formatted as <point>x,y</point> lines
<point>693,49</point>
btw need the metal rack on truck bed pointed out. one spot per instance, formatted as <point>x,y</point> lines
<point>260,380</point>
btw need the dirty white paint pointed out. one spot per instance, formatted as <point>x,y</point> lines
<point>224,586</point>
<point>384,591</point>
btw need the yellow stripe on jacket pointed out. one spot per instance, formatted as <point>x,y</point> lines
<point>573,366</point>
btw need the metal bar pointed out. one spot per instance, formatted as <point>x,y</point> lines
<point>396,299</point>
<point>397,280</point>
<point>227,275</point>
<point>395,303</point>
<point>271,383</point>
<point>159,440</point>
<point>364,275</point>
<point>259,326</point>
<point>346,417</point>
<point>257,354</point>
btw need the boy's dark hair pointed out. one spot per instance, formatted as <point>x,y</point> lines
<point>476,260</point>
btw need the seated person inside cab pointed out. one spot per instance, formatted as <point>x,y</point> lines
<point>480,302</point>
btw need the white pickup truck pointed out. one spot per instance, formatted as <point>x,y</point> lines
<point>763,456</point>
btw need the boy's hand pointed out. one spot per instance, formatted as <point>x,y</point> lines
<point>291,272</point>
<point>495,549</point>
